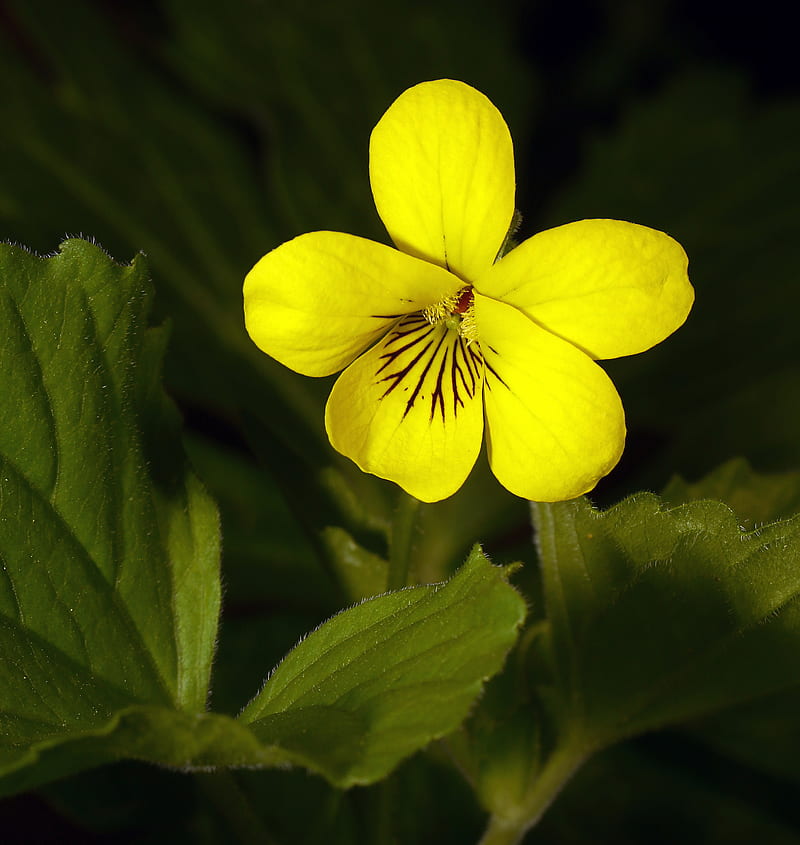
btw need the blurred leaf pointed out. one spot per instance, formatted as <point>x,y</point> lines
<point>268,555</point>
<point>362,573</point>
<point>756,498</point>
<point>764,734</point>
<point>110,547</point>
<point>321,496</point>
<point>382,679</point>
<point>120,151</point>
<point>265,63</point>
<point>443,811</point>
<point>253,638</point>
<point>703,161</point>
<point>481,511</point>
<point>206,142</point>
<point>653,791</point>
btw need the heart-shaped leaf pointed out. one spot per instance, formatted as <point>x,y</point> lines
<point>109,586</point>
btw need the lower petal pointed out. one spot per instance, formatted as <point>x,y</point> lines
<point>554,420</point>
<point>410,410</point>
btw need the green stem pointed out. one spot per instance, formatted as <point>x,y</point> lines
<point>221,789</point>
<point>510,829</point>
<point>402,540</point>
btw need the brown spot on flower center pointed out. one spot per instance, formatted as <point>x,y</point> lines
<point>464,301</point>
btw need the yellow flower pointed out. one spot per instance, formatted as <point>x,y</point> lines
<point>440,338</point>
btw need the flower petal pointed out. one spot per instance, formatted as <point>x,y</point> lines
<point>410,409</point>
<point>441,165</point>
<point>612,288</point>
<point>316,302</point>
<point>554,422</point>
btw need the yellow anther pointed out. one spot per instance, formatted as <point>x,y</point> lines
<point>455,312</point>
<point>439,312</point>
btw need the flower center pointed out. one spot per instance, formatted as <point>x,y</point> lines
<point>455,312</point>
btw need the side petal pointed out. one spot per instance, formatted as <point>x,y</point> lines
<point>612,288</point>
<point>317,301</point>
<point>441,164</point>
<point>410,410</point>
<point>554,422</point>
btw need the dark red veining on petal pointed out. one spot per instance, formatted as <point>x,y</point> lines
<point>491,370</point>
<point>459,366</point>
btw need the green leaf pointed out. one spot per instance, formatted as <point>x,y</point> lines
<point>382,679</point>
<point>660,615</point>
<point>109,588</point>
<point>157,734</point>
<point>654,616</point>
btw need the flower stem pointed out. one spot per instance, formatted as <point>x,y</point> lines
<point>509,829</point>
<point>402,540</point>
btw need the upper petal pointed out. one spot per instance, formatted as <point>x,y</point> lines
<point>554,422</point>
<point>441,165</point>
<point>316,302</point>
<point>410,410</point>
<point>612,288</point>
